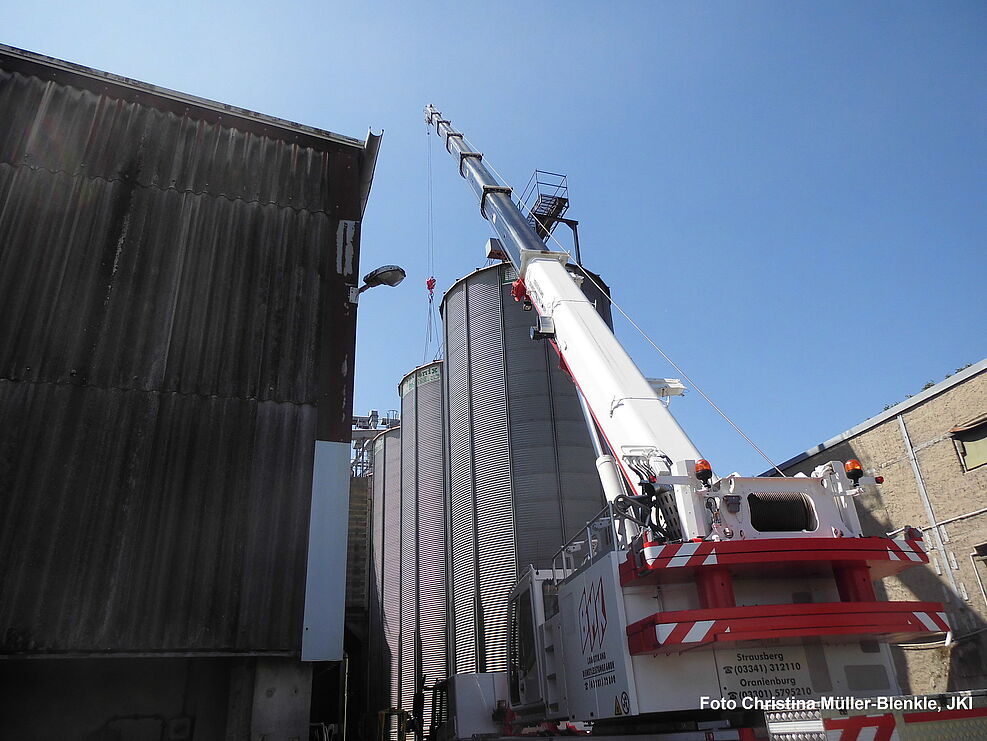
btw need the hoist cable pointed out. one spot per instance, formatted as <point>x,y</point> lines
<point>431,333</point>
<point>430,213</point>
<point>634,324</point>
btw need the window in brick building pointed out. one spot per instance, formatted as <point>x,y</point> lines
<point>970,439</point>
<point>979,560</point>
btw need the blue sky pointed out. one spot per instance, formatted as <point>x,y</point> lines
<point>789,197</point>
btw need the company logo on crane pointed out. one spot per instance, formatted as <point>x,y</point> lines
<point>593,616</point>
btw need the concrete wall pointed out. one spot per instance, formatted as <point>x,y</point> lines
<point>952,577</point>
<point>150,699</point>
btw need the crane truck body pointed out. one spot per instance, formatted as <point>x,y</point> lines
<point>692,603</point>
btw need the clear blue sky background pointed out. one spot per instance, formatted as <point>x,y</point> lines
<point>789,197</point>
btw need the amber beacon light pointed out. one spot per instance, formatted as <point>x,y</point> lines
<point>854,470</point>
<point>704,472</point>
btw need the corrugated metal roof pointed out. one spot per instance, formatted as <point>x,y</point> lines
<point>81,133</point>
<point>126,88</point>
<point>176,334</point>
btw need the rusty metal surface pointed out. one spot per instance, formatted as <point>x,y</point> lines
<point>174,336</point>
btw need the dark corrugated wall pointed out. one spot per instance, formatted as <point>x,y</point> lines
<point>173,315</point>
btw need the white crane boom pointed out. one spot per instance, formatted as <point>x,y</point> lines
<point>738,589</point>
<point>637,426</point>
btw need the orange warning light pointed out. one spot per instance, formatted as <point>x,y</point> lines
<point>704,472</point>
<point>854,470</point>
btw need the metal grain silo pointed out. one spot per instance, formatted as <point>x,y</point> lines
<point>423,590</point>
<point>521,475</point>
<point>385,570</point>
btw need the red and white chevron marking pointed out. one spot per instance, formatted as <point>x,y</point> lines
<point>861,728</point>
<point>699,631</point>
<point>944,724</point>
<point>934,622</point>
<point>907,549</point>
<point>680,554</point>
<point>709,553</point>
<point>705,631</point>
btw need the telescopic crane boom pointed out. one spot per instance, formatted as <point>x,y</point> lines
<point>734,588</point>
<point>643,436</point>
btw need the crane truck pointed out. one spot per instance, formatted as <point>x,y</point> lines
<point>705,606</point>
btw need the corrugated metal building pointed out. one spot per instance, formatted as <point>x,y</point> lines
<point>176,356</point>
<point>521,475</point>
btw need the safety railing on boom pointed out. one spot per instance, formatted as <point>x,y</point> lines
<point>545,199</point>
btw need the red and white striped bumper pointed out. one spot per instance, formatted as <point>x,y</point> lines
<point>671,632</point>
<point>656,562</point>
<point>898,726</point>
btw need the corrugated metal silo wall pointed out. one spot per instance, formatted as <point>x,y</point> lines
<point>387,559</point>
<point>407,540</point>
<point>522,477</point>
<point>173,294</point>
<point>424,601</point>
<point>459,486</point>
<point>385,570</point>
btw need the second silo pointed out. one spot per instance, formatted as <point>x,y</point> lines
<point>521,474</point>
<point>385,571</point>
<point>423,576</point>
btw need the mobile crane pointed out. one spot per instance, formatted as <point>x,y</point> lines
<point>692,603</point>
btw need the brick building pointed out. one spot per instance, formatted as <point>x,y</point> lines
<point>931,450</point>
